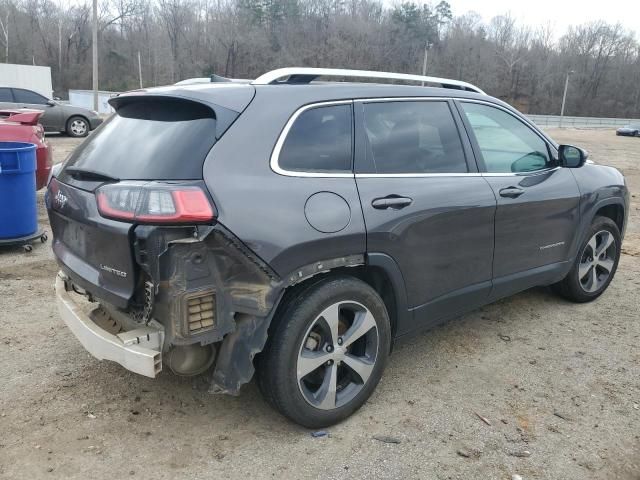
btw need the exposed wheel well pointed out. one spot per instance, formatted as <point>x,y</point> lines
<point>375,277</point>
<point>615,212</point>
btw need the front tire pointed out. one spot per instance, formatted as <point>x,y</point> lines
<point>595,265</point>
<point>326,352</point>
<point>78,127</point>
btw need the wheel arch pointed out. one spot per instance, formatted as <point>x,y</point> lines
<point>610,207</point>
<point>380,272</point>
<point>614,209</point>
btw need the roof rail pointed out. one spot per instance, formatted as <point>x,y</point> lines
<point>307,75</point>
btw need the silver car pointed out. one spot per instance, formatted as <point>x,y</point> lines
<point>74,121</point>
<point>629,130</point>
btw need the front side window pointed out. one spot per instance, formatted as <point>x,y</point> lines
<point>507,145</point>
<point>413,137</point>
<point>320,140</point>
<point>27,96</point>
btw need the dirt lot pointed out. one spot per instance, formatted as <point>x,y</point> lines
<point>559,384</point>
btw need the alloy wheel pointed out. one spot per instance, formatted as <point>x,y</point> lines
<point>597,261</point>
<point>78,127</point>
<point>337,355</point>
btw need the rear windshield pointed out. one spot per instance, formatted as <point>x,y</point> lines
<point>155,139</point>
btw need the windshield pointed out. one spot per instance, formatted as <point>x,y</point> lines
<point>149,140</point>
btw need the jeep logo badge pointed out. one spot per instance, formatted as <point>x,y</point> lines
<point>60,199</point>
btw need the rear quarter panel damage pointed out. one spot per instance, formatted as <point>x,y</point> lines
<point>183,261</point>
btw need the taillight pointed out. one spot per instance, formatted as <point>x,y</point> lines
<point>39,131</point>
<point>154,203</point>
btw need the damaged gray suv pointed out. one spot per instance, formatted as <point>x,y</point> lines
<point>297,229</point>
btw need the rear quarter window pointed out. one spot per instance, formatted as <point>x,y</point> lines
<point>320,140</point>
<point>150,139</point>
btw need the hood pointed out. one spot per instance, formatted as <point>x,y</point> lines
<point>72,109</point>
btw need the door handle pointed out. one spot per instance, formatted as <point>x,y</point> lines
<point>391,201</point>
<point>511,192</point>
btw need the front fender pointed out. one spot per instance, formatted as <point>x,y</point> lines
<point>600,186</point>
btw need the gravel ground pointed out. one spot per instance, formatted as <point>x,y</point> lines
<point>558,385</point>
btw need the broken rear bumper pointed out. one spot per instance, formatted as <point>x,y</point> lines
<point>138,350</point>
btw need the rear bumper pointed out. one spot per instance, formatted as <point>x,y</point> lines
<point>138,350</point>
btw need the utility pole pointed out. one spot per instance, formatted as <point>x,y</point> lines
<point>60,46</point>
<point>564,96</point>
<point>95,55</point>
<point>424,62</point>
<point>140,68</point>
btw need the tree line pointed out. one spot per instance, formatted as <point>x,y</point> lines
<point>178,39</point>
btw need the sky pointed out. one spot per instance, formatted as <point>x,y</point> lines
<point>558,13</point>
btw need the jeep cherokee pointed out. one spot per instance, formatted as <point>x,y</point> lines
<point>299,228</point>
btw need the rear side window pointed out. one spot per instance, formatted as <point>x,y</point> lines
<point>320,140</point>
<point>413,137</point>
<point>27,96</point>
<point>5,95</point>
<point>150,140</point>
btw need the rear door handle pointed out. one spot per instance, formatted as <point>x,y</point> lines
<point>391,201</point>
<point>511,192</point>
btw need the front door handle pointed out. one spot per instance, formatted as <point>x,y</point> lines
<point>391,201</point>
<point>511,192</point>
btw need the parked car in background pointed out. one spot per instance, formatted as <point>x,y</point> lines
<point>632,130</point>
<point>22,125</point>
<point>74,121</point>
<point>300,228</point>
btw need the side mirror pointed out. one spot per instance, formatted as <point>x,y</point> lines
<point>571,157</point>
<point>51,103</point>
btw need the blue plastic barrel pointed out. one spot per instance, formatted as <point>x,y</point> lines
<point>18,207</point>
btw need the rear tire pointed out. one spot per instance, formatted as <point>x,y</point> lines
<point>78,127</point>
<point>595,265</point>
<point>326,352</point>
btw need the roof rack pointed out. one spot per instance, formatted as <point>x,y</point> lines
<point>295,75</point>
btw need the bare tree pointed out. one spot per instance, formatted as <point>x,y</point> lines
<point>4,26</point>
<point>179,39</point>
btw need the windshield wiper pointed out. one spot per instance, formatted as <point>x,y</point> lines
<point>86,174</point>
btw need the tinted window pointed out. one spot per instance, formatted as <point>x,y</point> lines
<point>413,137</point>
<point>27,96</point>
<point>506,143</point>
<point>5,95</point>
<point>150,140</point>
<point>319,140</point>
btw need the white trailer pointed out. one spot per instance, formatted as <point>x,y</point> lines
<point>31,77</point>
<point>84,99</point>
